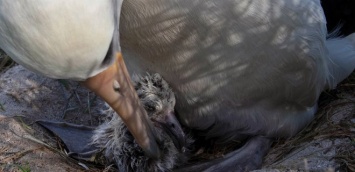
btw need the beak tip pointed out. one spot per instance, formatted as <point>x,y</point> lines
<point>152,150</point>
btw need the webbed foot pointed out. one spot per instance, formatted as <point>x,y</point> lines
<point>77,138</point>
<point>248,157</point>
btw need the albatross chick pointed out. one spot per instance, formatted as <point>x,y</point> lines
<point>117,143</point>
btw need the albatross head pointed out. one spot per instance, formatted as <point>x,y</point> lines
<point>159,100</point>
<point>114,85</point>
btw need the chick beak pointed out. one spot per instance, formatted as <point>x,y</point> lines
<point>114,85</point>
<point>172,127</point>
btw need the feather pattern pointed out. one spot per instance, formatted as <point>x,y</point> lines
<point>238,67</point>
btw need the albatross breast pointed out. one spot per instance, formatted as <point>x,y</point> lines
<point>243,67</point>
<point>61,39</point>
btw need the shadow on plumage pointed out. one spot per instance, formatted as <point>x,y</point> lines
<point>242,70</point>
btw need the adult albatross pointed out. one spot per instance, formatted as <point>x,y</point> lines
<point>241,69</point>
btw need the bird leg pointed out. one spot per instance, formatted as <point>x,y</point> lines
<point>248,157</point>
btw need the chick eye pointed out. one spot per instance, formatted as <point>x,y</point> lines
<point>150,108</point>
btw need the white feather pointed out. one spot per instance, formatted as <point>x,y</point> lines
<point>65,39</point>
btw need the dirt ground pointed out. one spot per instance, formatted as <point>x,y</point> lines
<point>326,145</point>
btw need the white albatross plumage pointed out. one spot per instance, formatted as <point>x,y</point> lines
<point>60,39</point>
<point>241,69</point>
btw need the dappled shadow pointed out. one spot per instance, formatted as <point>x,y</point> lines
<point>225,58</point>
